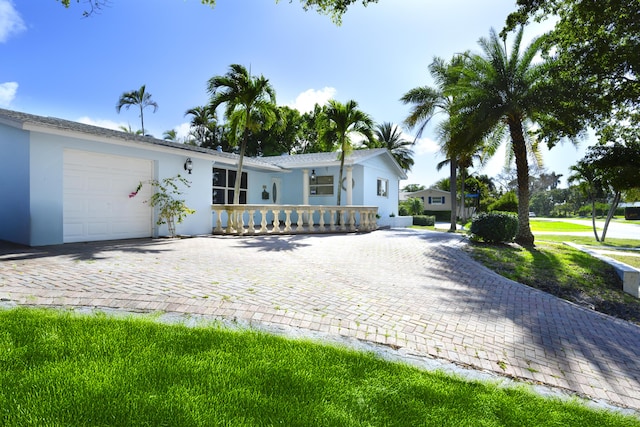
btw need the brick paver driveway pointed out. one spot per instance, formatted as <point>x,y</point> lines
<point>404,288</point>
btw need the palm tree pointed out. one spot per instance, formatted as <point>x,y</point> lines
<point>139,97</point>
<point>389,136</point>
<point>170,135</point>
<point>344,121</point>
<point>250,106</point>
<point>427,102</point>
<point>203,124</point>
<point>128,129</point>
<point>499,88</point>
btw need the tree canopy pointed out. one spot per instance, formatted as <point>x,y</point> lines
<point>333,8</point>
<point>596,45</point>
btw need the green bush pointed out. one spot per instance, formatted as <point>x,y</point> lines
<point>402,210</point>
<point>495,227</point>
<point>425,220</point>
<point>444,216</point>
<point>508,202</point>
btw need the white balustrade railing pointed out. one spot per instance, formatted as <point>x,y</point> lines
<point>292,219</point>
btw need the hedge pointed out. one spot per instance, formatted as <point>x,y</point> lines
<point>425,220</point>
<point>495,227</point>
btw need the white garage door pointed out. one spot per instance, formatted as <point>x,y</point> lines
<point>97,205</point>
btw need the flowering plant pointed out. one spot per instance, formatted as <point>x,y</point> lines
<point>170,208</point>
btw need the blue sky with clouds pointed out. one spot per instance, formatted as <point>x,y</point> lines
<point>57,63</point>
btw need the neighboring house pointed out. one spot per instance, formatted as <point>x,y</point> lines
<point>436,200</point>
<point>63,181</point>
<point>433,199</point>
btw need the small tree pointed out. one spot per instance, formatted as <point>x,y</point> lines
<point>171,209</point>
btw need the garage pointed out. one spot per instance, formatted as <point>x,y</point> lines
<point>96,202</point>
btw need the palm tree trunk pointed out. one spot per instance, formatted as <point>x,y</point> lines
<point>340,176</point>
<point>453,167</point>
<point>612,210</point>
<point>463,200</point>
<point>593,218</point>
<point>524,237</point>
<point>142,119</point>
<point>236,187</point>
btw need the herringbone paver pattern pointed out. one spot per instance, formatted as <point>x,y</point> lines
<point>416,290</point>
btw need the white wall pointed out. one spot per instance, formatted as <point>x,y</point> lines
<point>46,184</point>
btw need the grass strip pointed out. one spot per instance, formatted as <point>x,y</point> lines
<point>561,271</point>
<point>58,368</point>
<point>557,226</point>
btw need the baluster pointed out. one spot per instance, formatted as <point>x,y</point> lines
<point>287,220</point>
<point>263,223</point>
<point>276,221</point>
<point>251,229</point>
<point>321,220</point>
<point>300,223</point>
<point>218,218</point>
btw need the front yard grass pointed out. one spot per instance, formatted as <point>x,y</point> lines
<point>562,271</point>
<point>60,368</point>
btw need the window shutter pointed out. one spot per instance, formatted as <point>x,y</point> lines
<point>429,199</point>
<point>443,200</point>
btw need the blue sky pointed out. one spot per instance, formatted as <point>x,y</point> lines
<point>57,63</point>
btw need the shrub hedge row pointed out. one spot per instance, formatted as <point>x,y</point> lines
<point>494,227</point>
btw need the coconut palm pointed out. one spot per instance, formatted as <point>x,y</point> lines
<point>499,88</point>
<point>139,97</point>
<point>250,106</point>
<point>343,122</point>
<point>389,136</point>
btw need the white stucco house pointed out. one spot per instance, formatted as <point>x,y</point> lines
<point>63,181</point>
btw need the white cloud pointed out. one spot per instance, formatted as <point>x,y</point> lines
<point>424,145</point>
<point>108,124</point>
<point>7,93</point>
<point>309,98</point>
<point>10,21</point>
<point>182,130</point>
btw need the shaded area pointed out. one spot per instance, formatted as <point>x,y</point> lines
<point>82,251</point>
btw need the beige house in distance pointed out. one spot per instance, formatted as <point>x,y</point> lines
<point>436,200</point>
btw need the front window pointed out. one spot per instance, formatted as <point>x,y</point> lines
<point>224,181</point>
<point>383,187</point>
<point>321,186</point>
<point>436,200</point>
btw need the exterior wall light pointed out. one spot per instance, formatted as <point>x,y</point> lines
<point>188,165</point>
<point>313,174</point>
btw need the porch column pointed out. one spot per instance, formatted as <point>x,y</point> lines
<point>305,186</point>
<point>349,185</point>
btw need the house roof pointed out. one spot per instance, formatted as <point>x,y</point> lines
<point>284,163</point>
<point>32,122</point>
<point>308,160</point>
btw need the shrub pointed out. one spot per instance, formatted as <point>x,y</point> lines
<point>444,216</point>
<point>508,202</point>
<point>425,220</point>
<point>495,227</point>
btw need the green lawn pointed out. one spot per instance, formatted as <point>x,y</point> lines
<point>633,261</point>
<point>64,369</point>
<point>557,226</point>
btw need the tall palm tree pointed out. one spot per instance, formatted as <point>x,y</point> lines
<point>250,106</point>
<point>389,136</point>
<point>343,122</point>
<point>139,97</point>
<point>499,88</point>
<point>426,103</point>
